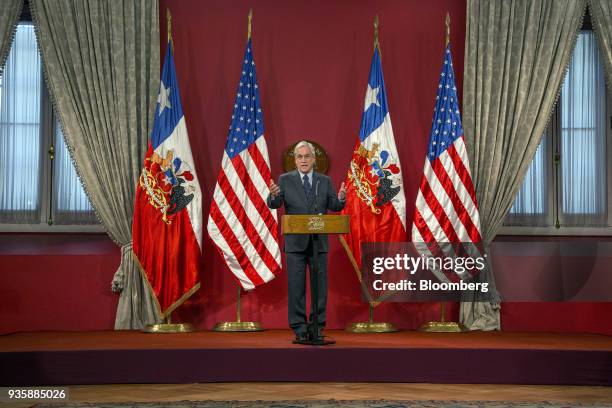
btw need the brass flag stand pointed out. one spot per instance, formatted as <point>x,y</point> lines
<point>238,325</point>
<point>167,326</point>
<point>370,326</point>
<point>443,326</point>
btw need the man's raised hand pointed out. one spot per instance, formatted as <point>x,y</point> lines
<point>274,189</point>
<point>342,192</point>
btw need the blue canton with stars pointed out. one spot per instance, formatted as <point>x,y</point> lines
<point>247,117</point>
<point>446,126</point>
<point>375,113</point>
<point>169,110</point>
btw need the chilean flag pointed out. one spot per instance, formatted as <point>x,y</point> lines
<point>375,192</point>
<point>167,226</point>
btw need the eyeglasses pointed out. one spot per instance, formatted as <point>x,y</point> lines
<point>304,156</point>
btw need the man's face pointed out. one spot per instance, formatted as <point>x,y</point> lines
<point>304,159</point>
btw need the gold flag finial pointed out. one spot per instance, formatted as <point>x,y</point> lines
<point>447,29</point>
<point>376,43</point>
<point>250,23</point>
<point>169,19</point>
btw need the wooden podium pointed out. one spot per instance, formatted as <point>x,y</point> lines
<point>315,225</point>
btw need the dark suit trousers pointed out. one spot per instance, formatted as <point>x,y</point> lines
<point>296,279</point>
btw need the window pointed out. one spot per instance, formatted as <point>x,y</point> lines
<point>567,188</point>
<point>39,187</point>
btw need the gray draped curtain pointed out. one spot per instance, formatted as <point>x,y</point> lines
<point>101,61</point>
<point>516,55</point>
<point>9,17</point>
<point>601,15</point>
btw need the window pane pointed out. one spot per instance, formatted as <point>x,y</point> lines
<point>71,204</point>
<point>583,138</point>
<point>582,147</point>
<point>530,205</point>
<point>20,144</point>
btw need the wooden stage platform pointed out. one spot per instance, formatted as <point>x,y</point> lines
<point>112,357</point>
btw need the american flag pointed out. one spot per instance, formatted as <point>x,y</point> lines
<point>240,223</point>
<point>446,209</point>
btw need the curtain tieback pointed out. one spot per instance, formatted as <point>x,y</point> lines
<point>118,282</point>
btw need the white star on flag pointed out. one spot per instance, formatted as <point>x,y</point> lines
<point>162,99</point>
<point>371,97</point>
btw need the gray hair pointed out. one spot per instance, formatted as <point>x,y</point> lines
<point>307,144</point>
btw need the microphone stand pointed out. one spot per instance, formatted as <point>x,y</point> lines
<point>314,338</point>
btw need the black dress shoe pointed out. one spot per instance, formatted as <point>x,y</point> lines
<point>312,334</point>
<point>301,337</point>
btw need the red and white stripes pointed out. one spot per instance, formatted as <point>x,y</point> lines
<point>240,223</point>
<point>446,209</point>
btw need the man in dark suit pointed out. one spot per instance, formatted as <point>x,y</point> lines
<point>303,191</point>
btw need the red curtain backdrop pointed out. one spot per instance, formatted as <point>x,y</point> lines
<point>312,60</point>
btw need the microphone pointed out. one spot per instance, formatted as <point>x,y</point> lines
<point>316,196</point>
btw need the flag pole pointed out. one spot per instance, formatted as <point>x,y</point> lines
<point>169,21</point>
<point>238,319</point>
<point>370,326</point>
<point>376,43</point>
<point>443,326</point>
<point>250,24</point>
<point>239,325</point>
<point>447,21</point>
